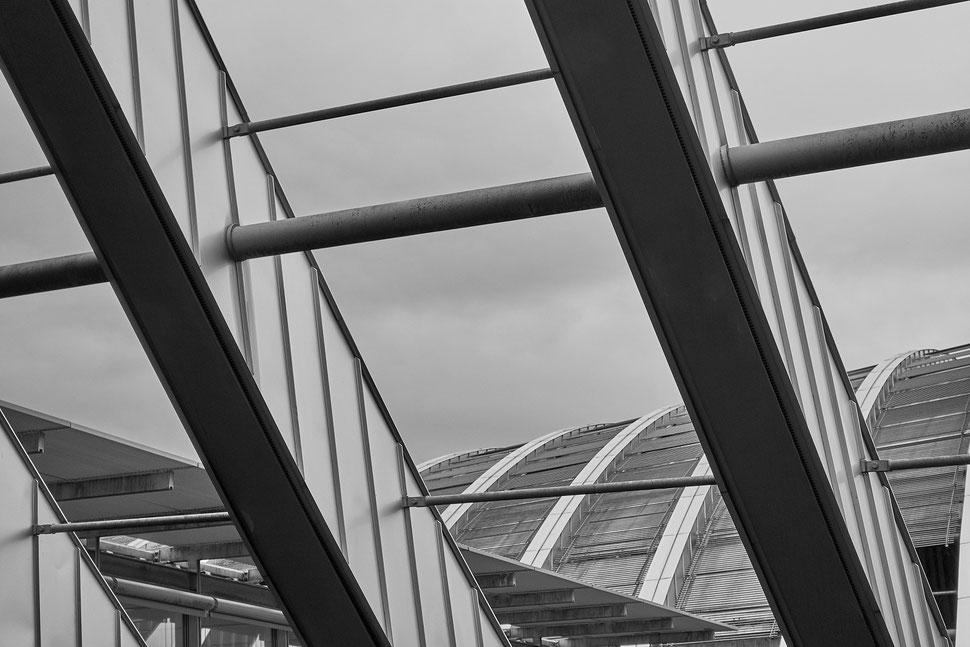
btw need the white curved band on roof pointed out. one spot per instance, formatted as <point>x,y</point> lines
<point>428,464</point>
<point>674,545</point>
<point>455,511</point>
<point>869,392</point>
<point>558,520</point>
<point>673,548</point>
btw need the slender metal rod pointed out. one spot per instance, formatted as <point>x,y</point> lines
<point>195,601</point>
<point>378,222</point>
<point>420,216</point>
<point>838,149</point>
<point>560,491</point>
<point>168,522</point>
<point>897,464</point>
<point>820,22</point>
<point>389,102</point>
<point>50,274</point>
<point>25,174</point>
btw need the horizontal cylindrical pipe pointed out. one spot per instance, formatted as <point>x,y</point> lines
<point>560,491</point>
<point>821,22</point>
<point>838,149</point>
<point>25,174</point>
<point>50,274</point>
<point>897,464</point>
<point>206,604</point>
<point>419,216</point>
<point>390,102</point>
<point>168,522</point>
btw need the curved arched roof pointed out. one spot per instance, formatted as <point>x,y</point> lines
<point>680,547</point>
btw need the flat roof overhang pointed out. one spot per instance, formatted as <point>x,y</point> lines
<point>77,120</point>
<point>657,184</point>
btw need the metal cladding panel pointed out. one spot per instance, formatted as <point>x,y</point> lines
<point>111,17</point>
<point>279,312</point>
<point>52,594</point>
<point>595,54</point>
<point>311,389</point>
<point>396,548</point>
<point>159,79</point>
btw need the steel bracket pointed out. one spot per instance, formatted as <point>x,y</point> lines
<point>874,466</point>
<point>716,41</point>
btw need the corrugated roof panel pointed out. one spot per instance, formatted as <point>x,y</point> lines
<point>932,391</point>
<point>914,382</point>
<point>924,410</point>
<point>944,425</point>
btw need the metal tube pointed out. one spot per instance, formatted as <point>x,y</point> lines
<point>378,222</point>
<point>838,149</point>
<point>25,174</point>
<point>196,601</point>
<point>896,464</point>
<point>559,491</point>
<point>389,102</point>
<point>820,22</point>
<point>50,274</point>
<point>169,522</point>
<point>419,216</point>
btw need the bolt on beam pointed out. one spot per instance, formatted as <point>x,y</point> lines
<point>838,149</point>
<point>396,101</point>
<point>820,22</point>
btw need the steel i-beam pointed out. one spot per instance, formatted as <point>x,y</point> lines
<point>629,112</point>
<point>77,120</point>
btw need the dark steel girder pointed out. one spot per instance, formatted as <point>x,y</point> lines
<point>72,110</point>
<point>656,183</point>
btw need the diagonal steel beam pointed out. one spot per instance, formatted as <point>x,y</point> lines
<point>629,112</point>
<point>77,120</point>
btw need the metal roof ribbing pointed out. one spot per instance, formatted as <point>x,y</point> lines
<point>506,527</point>
<point>565,510</point>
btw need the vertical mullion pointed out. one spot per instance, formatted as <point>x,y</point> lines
<point>79,640</point>
<point>372,496</point>
<point>186,135</point>
<point>35,549</point>
<point>445,588</point>
<point>328,405</point>
<point>239,272</point>
<point>285,330</point>
<point>412,555</point>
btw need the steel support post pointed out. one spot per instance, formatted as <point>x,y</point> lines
<point>384,103</point>
<point>820,22</point>
<point>656,182</point>
<point>62,90</point>
<point>838,149</point>
<point>560,491</point>
<point>419,216</point>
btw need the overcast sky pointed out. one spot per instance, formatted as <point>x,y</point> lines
<point>496,335</point>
